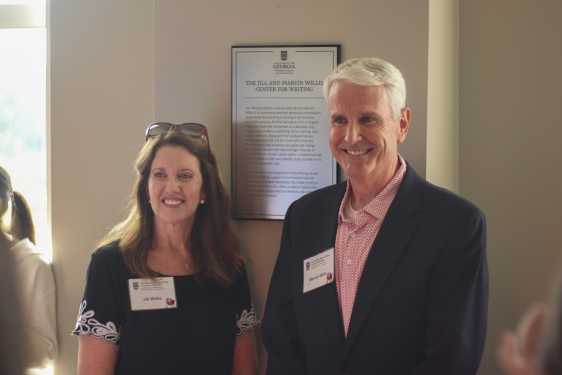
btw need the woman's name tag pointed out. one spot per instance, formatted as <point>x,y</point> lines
<point>148,294</point>
<point>318,270</point>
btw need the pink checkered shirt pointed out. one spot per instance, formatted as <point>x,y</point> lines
<point>355,238</point>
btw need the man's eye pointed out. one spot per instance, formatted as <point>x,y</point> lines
<point>339,122</point>
<point>367,120</point>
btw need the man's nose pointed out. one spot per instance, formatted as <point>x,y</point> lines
<point>353,134</point>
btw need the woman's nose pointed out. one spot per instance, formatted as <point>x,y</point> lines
<point>172,184</point>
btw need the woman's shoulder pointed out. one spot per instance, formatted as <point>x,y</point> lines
<point>25,251</point>
<point>110,253</point>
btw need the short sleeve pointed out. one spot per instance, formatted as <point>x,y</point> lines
<point>101,311</point>
<point>246,317</point>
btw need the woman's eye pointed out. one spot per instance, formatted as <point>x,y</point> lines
<point>159,175</point>
<point>185,176</point>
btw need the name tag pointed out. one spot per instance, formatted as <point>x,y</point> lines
<point>318,270</point>
<point>147,294</point>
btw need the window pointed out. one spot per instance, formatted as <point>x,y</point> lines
<point>23,108</point>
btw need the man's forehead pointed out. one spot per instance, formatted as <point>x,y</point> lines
<point>363,99</point>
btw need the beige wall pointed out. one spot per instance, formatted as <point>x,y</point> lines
<point>118,65</point>
<point>193,75</point>
<point>101,100</point>
<point>510,137</point>
<point>442,89</point>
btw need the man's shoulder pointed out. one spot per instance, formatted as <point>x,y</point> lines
<point>447,198</point>
<point>438,202</point>
<point>331,192</point>
<point>316,204</point>
<point>433,198</point>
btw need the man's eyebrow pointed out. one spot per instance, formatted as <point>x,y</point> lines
<point>336,116</point>
<point>370,114</point>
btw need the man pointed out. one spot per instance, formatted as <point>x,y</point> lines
<point>411,280</point>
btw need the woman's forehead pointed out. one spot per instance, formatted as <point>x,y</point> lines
<point>174,156</point>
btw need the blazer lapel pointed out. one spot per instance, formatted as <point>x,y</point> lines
<point>391,240</point>
<point>327,296</point>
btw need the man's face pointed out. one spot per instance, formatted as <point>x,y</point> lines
<point>363,136</point>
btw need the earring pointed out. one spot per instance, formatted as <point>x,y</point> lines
<point>202,201</point>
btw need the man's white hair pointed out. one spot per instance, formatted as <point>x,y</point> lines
<point>372,71</point>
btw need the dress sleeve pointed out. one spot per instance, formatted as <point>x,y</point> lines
<point>101,310</point>
<point>246,317</point>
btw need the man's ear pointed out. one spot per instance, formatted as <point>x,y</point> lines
<point>404,124</point>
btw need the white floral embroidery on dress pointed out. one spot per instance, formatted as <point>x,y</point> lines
<point>247,321</point>
<point>86,325</point>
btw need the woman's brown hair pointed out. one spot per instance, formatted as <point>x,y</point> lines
<point>21,220</point>
<point>214,245</point>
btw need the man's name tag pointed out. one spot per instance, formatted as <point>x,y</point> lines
<point>318,270</point>
<point>148,294</point>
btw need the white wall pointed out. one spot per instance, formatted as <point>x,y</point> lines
<point>510,136</point>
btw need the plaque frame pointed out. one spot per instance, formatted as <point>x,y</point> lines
<point>277,97</point>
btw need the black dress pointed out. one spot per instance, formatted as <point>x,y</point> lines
<point>197,337</point>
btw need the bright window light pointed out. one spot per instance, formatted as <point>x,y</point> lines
<point>22,2</point>
<point>23,120</point>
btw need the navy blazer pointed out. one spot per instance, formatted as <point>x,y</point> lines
<point>421,303</point>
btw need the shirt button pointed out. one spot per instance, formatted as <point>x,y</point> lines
<point>353,235</point>
<point>348,261</point>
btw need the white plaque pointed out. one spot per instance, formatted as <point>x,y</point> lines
<point>280,127</point>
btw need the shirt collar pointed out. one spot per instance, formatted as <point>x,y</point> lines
<point>380,204</point>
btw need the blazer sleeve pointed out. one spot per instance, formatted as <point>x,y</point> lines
<point>279,331</point>
<point>457,303</point>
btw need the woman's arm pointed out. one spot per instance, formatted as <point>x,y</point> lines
<point>95,356</point>
<point>245,355</point>
<point>42,329</point>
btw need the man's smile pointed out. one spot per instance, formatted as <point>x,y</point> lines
<point>358,152</point>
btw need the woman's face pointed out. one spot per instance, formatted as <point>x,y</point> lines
<point>5,211</point>
<point>175,187</point>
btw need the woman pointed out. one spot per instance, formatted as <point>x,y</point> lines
<point>36,281</point>
<point>167,291</point>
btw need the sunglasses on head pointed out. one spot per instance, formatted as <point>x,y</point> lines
<point>190,128</point>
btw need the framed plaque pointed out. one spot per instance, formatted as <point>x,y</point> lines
<point>280,127</point>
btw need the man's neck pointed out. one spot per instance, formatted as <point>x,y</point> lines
<point>365,189</point>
